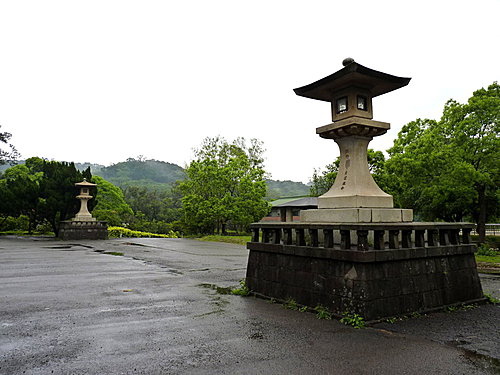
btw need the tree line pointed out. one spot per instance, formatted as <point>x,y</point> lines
<point>444,170</point>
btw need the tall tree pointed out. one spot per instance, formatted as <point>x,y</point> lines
<point>8,152</point>
<point>449,169</point>
<point>20,190</point>
<point>57,190</point>
<point>111,205</point>
<point>225,184</point>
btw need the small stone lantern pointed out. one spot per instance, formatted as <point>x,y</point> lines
<point>83,226</point>
<point>355,196</point>
<point>84,197</point>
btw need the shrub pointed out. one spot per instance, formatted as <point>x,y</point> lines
<point>14,223</point>
<point>486,250</point>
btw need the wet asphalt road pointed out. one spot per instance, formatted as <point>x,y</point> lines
<point>68,308</point>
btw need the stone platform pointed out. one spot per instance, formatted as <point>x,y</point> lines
<point>407,267</point>
<point>357,215</point>
<point>83,230</point>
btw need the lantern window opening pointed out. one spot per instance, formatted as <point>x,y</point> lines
<point>341,104</point>
<point>362,103</point>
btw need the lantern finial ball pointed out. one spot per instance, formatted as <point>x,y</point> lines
<point>347,61</point>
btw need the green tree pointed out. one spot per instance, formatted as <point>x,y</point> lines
<point>322,180</point>
<point>57,190</point>
<point>225,183</point>
<point>111,205</point>
<point>449,169</point>
<point>8,152</point>
<point>20,190</point>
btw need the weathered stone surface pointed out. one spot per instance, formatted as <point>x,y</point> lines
<point>356,215</point>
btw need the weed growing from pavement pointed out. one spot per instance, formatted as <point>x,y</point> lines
<point>322,312</point>
<point>491,299</point>
<point>242,290</point>
<point>291,304</point>
<point>354,320</point>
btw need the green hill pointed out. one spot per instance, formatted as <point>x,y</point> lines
<point>277,189</point>
<point>153,174</point>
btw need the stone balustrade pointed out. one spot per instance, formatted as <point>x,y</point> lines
<point>363,236</point>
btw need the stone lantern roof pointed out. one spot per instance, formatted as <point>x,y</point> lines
<point>85,183</point>
<point>353,74</point>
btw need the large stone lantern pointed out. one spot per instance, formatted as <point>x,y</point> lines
<point>356,253</point>
<point>354,197</point>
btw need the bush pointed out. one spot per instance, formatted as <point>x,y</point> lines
<point>486,250</point>
<point>118,232</point>
<point>14,223</point>
<point>110,216</point>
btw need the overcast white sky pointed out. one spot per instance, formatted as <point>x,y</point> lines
<point>101,81</point>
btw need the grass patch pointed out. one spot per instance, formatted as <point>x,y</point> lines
<point>115,253</point>
<point>25,233</point>
<point>238,240</point>
<point>488,258</point>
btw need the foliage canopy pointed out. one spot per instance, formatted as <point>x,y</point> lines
<point>225,183</point>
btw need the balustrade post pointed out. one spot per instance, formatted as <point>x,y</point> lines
<point>345,239</point>
<point>255,234</point>
<point>454,236</point>
<point>406,239</point>
<point>432,237</point>
<point>444,238</point>
<point>287,238</point>
<point>313,235</point>
<point>300,238</point>
<point>378,239</point>
<point>328,238</point>
<point>466,239</point>
<point>419,238</point>
<point>393,239</point>
<point>362,240</point>
<point>266,235</point>
<point>277,235</point>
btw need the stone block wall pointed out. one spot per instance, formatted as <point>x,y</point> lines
<point>83,230</point>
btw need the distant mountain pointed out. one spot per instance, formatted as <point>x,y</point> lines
<point>159,175</point>
<point>279,189</point>
<point>152,173</point>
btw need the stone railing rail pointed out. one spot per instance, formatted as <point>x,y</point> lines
<point>363,236</point>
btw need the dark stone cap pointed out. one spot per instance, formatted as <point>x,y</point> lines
<point>353,74</point>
